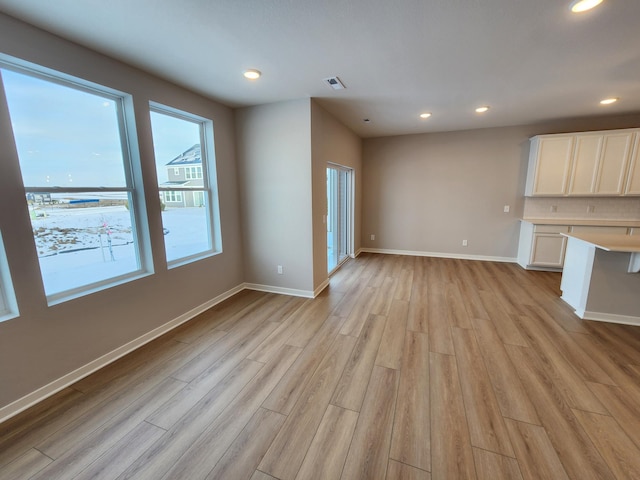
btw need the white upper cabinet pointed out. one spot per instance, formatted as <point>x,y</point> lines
<point>633,179</point>
<point>549,165</point>
<point>585,164</point>
<point>614,160</point>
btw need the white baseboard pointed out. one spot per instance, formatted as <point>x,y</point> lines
<point>70,378</point>
<point>280,290</point>
<point>611,318</point>
<point>459,256</point>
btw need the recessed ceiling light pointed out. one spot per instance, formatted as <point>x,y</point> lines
<point>579,6</point>
<point>482,109</point>
<point>425,115</point>
<point>608,101</point>
<point>252,74</point>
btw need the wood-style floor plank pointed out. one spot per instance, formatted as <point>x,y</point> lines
<point>286,394</point>
<point>439,326</point>
<point>368,454</point>
<point>163,453</point>
<point>180,404</point>
<point>417,317</point>
<point>247,450</point>
<point>536,456</point>
<point>401,471</point>
<point>491,466</point>
<point>258,475</point>
<point>360,312</point>
<point>452,455</point>
<point>458,315</point>
<point>486,425</point>
<point>622,406</point>
<point>75,454</point>
<point>286,453</point>
<point>124,453</point>
<point>353,384</point>
<point>25,466</point>
<point>548,331</point>
<point>620,453</point>
<point>510,394</point>
<point>328,450</point>
<point>405,367</point>
<point>567,380</point>
<point>575,450</point>
<point>390,351</point>
<point>411,440</point>
<point>202,455</point>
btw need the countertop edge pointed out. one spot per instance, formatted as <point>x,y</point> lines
<point>582,222</point>
<point>608,242</point>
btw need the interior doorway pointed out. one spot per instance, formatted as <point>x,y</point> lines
<point>339,215</point>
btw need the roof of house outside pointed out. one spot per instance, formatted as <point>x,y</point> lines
<point>192,156</point>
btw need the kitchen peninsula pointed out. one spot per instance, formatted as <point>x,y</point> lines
<point>601,277</point>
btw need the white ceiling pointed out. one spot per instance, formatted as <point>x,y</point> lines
<point>530,60</point>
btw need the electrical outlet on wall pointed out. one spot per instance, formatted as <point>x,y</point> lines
<point>465,243</point>
<point>591,208</point>
<point>279,269</point>
<point>373,237</point>
<point>506,209</point>
<point>554,208</point>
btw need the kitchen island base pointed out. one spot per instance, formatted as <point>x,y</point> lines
<point>596,280</point>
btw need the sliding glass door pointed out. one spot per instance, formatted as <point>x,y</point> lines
<point>339,215</point>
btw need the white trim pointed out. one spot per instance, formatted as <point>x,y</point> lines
<point>357,254</point>
<point>610,317</point>
<point>70,378</point>
<point>280,290</point>
<point>321,287</point>
<point>460,256</point>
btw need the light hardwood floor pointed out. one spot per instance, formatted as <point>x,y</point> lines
<point>404,368</point>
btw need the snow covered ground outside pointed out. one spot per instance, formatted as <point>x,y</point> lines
<point>79,246</point>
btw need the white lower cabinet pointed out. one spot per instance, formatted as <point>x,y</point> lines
<point>542,247</point>
<point>548,250</point>
<point>599,229</point>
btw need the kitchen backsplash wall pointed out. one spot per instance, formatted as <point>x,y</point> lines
<point>627,208</point>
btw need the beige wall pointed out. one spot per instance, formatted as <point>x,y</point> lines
<point>44,343</point>
<point>428,192</point>
<point>331,142</point>
<point>274,159</point>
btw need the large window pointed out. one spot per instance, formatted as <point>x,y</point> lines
<point>183,145</point>
<point>71,140</point>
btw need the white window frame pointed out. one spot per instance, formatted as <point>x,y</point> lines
<point>172,196</point>
<point>209,182</point>
<point>193,173</point>
<point>8,305</point>
<point>176,171</point>
<point>132,173</point>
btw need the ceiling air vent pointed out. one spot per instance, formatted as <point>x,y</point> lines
<point>335,83</point>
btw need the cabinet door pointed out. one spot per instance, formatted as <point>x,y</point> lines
<point>585,164</point>
<point>612,168</point>
<point>633,180</point>
<point>553,164</point>
<point>548,250</point>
